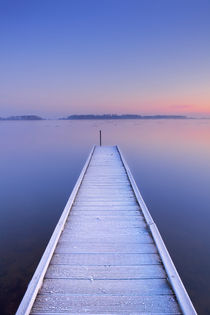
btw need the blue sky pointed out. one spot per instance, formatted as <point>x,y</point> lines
<point>105,56</point>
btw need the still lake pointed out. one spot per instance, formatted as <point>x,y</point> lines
<point>40,162</point>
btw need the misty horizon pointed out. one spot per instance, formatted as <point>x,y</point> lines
<point>66,116</point>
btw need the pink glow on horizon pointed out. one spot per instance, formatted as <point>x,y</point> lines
<point>56,105</point>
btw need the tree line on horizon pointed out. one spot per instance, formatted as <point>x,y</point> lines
<point>94,116</point>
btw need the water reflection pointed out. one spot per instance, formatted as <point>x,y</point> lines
<point>40,162</point>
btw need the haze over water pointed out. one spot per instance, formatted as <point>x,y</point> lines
<point>41,160</point>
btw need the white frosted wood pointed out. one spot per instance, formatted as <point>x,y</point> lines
<point>84,247</point>
<point>117,287</point>
<point>103,259</point>
<point>105,272</point>
<point>106,261</point>
<point>99,304</point>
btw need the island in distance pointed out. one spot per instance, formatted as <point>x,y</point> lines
<point>94,117</point>
<point>23,117</point>
<point>128,116</point>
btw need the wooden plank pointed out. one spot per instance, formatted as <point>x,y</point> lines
<point>105,197</point>
<point>102,304</point>
<point>103,313</point>
<point>101,259</point>
<point>105,202</point>
<point>83,247</point>
<point>104,216</point>
<point>115,214</point>
<point>108,238</point>
<point>114,191</point>
<point>111,287</point>
<point>105,272</point>
<point>106,207</point>
<point>106,224</point>
<point>107,229</point>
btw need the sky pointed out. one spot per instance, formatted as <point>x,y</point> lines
<point>61,57</point>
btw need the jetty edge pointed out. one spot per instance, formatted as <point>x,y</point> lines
<point>106,254</point>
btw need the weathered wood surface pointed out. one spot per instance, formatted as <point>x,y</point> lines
<point>106,260</point>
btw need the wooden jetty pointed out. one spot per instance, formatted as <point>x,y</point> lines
<point>106,255</point>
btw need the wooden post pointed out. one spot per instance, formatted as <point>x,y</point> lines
<point>100,137</point>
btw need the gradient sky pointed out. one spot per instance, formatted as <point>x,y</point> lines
<point>61,57</point>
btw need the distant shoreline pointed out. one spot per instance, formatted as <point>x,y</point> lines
<point>100,117</point>
<point>128,116</point>
<point>22,117</point>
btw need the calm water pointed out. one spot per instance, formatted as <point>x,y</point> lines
<point>41,160</point>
